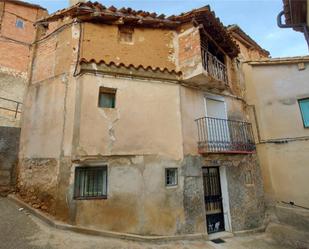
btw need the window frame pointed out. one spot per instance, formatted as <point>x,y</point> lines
<point>89,167</point>
<point>19,20</point>
<point>126,31</point>
<point>301,112</point>
<point>107,90</point>
<point>165,180</point>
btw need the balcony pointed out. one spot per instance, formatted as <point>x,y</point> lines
<point>224,136</point>
<point>206,71</point>
<point>213,67</point>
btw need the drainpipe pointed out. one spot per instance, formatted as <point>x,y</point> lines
<point>302,26</point>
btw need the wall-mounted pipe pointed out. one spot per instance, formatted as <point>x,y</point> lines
<point>302,26</point>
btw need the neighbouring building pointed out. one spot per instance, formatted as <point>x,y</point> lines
<point>17,32</point>
<point>278,91</point>
<point>137,123</point>
<point>296,13</point>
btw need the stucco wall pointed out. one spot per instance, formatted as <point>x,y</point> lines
<point>274,90</point>
<point>193,107</point>
<point>146,119</point>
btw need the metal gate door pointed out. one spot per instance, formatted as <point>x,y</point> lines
<point>213,199</point>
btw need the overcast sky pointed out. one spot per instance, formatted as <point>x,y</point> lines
<point>256,17</point>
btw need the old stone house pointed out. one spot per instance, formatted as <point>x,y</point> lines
<point>137,123</point>
<point>16,35</point>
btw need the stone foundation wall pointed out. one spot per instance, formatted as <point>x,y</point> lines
<point>138,201</point>
<point>9,144</point>
<point>245,189</point>
<point>37,182</point>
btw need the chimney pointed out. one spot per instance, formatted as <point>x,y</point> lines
<point>73,2</point>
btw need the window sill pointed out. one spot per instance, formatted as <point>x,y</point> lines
<point>90,198</point>
<point>171,186</point>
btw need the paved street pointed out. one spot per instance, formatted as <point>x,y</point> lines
<point>20,230</point>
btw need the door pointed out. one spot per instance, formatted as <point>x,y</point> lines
<point>213,199</point>
<point>218,134</point>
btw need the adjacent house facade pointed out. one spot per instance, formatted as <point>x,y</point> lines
<point>17,32</point>
<point>276,94</point>
<point>137,123</point>
<point>282,116</point>
<point>16,36</point>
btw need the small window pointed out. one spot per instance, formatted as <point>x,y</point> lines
<point>171,177</point>
<point>90,182</point>
<point>107,97</point>
<point>19,23</point>
<point>126,35</point>
<point>304,109</point>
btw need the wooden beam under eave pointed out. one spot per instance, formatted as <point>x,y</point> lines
<point>210,38</point>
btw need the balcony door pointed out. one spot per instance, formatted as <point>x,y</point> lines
<point>218,134</point>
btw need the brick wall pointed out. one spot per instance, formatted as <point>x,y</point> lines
<point>44,63</point>
<point>13,55</point>
<point>189,47</point>
<point>15,42</point>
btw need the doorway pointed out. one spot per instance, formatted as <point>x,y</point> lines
<point>213,200</point>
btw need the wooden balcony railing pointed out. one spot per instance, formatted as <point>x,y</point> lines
<point>213,66</point>
<point>217,135</point>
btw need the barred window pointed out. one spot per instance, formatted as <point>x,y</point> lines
<point>171,176</point>
<point>90,182</point>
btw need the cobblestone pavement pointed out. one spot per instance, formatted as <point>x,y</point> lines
<point>20,230</point>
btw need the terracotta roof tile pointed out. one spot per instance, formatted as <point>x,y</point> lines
<point>148,68</point>
<point>235,28</point>
<point>203,16</point>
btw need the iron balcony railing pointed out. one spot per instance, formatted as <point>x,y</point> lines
<point>217,135</point>
<point>10,106</point>
<point>213,66</point>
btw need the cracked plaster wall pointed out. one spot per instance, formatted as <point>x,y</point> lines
<point>274,90</point>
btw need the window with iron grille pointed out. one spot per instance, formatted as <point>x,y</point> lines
<point>90,182</point>
<point>107,97</point>
<point>171,176</point>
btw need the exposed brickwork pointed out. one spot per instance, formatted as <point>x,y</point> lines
<point>14,55</point>
<point>189,47</point>
<point>14,41</point>
<point>44,63</point>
